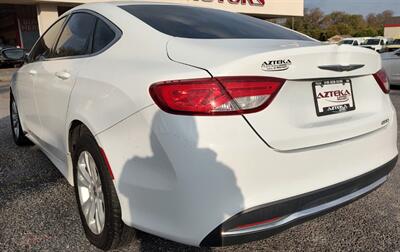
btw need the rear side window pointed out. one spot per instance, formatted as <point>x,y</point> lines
<point>43,47</point>
<point>103,35</point>
<point>76,38</point>
<point>203,23</point>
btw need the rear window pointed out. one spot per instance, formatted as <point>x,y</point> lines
<point>203,23</point>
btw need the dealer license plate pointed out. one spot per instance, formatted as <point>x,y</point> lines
<point>333,96</point>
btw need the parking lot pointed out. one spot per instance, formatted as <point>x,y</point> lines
<point>38,209</point>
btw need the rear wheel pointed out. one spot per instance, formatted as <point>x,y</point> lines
<point>97,199</point>
<point>17,132</point>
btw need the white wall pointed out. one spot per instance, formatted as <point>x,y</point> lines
<point>392,32</point>
<point>47,15</point>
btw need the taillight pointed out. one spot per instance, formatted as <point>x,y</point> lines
<point>215,96</point>
<point>382,79</point>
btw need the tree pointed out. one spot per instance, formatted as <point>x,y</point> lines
<point>320,26</point>
<point>310,23</point>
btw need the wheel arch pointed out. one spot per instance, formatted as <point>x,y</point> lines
<point>74,128</point>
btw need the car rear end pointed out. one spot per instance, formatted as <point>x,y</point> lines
<point>275,131</point>
<point>327,125</point>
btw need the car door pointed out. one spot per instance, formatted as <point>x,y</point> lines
<point>56,78</point>
<point>27,76</point>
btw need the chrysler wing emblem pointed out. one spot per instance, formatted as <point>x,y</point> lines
<point>341,68</point>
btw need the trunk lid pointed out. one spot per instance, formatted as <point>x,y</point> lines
<point>292,120</point>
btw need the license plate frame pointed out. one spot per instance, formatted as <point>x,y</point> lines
<point>333,96</point>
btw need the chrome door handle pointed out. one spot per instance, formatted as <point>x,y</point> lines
<point>32,72</point>
<point>63,75</point>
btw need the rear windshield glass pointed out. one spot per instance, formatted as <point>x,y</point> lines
<point>203,23</point>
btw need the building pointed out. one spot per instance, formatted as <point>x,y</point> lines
<point>22,21</point>
<point>337,38</point>
<point>392,28</point>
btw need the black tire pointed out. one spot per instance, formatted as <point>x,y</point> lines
<point>115,233</point>
<point>18,134</point>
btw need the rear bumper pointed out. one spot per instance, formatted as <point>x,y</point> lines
<point>286,213</point>
<point>173,173</point>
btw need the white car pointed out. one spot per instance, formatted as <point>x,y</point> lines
<point>377,44</point>
<point>201,126</point>
<point>352,41</point>
<point>391,64</point>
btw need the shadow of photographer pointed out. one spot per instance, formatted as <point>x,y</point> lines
<point>180,186</point>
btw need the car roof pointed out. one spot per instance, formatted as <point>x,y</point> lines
<point>107,4</point>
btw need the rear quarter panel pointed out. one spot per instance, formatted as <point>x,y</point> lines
<point>114,84</point>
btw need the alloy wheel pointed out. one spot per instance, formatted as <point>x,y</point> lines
<point>90,193</point>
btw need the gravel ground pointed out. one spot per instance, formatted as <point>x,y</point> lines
<point>38,211</point>
<point>5,74</point>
